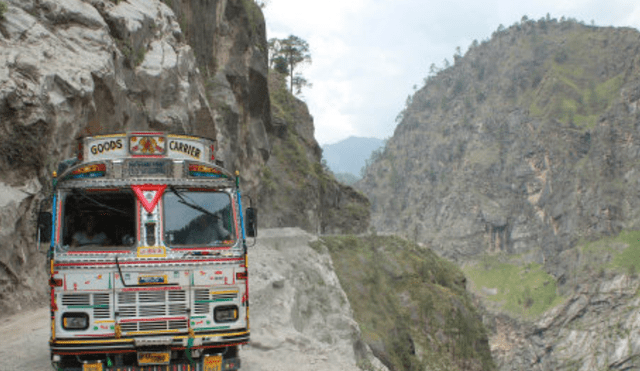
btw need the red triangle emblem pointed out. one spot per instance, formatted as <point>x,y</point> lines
<point>149,205</point>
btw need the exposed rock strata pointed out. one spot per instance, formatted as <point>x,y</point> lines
<point>595,329</point>
<point>70,68</point>
<point>486,160</point>
<point>228,38</point>
<point>296,188</point>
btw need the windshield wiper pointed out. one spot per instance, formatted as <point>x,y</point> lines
<point>183,201</point>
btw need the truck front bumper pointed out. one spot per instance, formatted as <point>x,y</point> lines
<point>124,345</point>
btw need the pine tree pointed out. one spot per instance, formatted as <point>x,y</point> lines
<point>286,55</point>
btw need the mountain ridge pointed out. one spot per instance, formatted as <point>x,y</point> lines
<point>518,157</point>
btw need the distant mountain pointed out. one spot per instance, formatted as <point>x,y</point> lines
<point>520,162</point>
<point>347,178</point>
<point>350,155</point>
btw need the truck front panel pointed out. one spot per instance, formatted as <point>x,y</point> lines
<point>148,259</point>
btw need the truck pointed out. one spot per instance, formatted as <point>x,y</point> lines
<point>147,256</point>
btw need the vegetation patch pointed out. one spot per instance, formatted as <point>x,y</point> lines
<point>281,99</point>
<point>628,260</point>
<point>619,254</point>
<point>254,14</point>
<point>268,180</point>
<point>293,156</point>
<point>484,156</point>
<point>571,97</point>
<point>521,290</point>
<point>526,290</point>
<point>3,9</point>
<point>411,305</point>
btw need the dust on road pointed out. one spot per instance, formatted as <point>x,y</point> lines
<point>24,341</point>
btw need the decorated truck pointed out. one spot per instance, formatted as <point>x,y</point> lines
<point>147,256</point>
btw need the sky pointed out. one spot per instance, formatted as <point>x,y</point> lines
<point>368,55</point>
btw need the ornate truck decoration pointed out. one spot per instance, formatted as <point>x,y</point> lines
<point>148,256</point>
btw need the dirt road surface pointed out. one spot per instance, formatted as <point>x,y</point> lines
<point>24,346</point>
<point>300,319</point>
<point>24,341</point>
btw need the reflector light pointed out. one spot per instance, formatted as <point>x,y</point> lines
<point>205,171</point>
<point>158,190</point>
<point>89,171</point>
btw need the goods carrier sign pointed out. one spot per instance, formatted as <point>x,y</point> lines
<point>150,145</point>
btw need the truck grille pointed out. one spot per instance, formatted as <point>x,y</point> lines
<point>201,302</point>
<point>101,306</point>
<point>100,303</point>
<point>152,303</point>
<point>203,299</point>
<point>153,326</point>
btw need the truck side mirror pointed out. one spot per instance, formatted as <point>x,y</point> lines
<point>44,227</point>
<point>251,222</point>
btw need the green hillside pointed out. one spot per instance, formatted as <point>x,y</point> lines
<point>411,305</point>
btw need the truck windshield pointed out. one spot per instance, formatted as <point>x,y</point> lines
<point>96,219</point>
<point>198,218</point>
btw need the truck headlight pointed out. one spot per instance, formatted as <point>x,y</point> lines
<point>226,313</point>
<point>75,321</point>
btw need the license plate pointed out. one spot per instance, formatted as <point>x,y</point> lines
<point>212,363</point>
<point>152,280</point>
<point>153,358</point>
<point>92,367</point>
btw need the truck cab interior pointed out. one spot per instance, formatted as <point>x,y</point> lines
<point>96,219</point>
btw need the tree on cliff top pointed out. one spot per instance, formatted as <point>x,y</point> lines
<point>3,9</point>
<point>286,55</point>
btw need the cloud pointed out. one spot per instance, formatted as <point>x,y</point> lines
<point>311,16</point>
<point>368,54</point>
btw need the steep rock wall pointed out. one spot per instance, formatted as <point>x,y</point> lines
<point>296,189</point>
<point>595,329</point>
<point>229,41</point>
<point>527,143</point>
<point>526,149</point>
<point>279,156</point>
<point>71,68</point>
<point>301,318</point>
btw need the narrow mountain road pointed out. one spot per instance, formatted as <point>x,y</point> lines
<point>300,317</point>
<point>24,341</point>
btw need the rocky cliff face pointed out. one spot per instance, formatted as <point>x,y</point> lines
<point>69,68</point>
<point>296,188</point>
<point>528,141</point>
<point>526,148</point>
<point>228,39</point>
<point>82,67</point>
<point>301,318</point>
<point>595,329</point>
